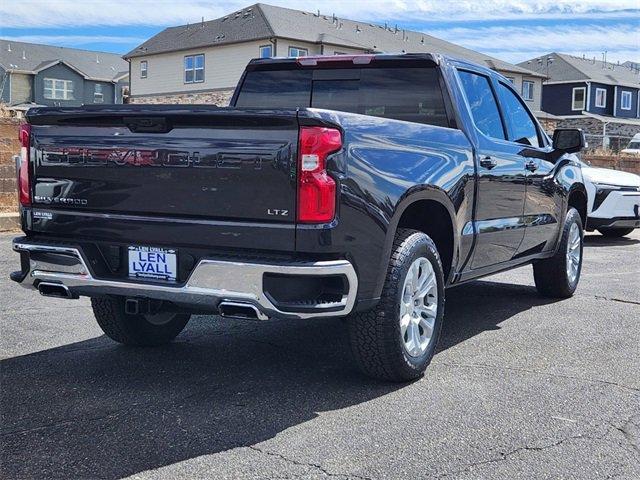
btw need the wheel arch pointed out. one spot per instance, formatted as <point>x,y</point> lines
<point>578,199</point>
<point>426,209</point>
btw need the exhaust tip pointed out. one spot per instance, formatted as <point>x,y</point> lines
<point>57,290</point>
<point>244,311</point>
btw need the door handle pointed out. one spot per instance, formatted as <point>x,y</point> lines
<point>488,163</point>
<point>531,166</point>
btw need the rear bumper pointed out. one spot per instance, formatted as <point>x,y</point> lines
<point>211,282</point>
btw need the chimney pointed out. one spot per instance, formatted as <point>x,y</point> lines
<point>97,58</point>
<point>202,22</point>
<point>8,47</point>
<point>24,54</point>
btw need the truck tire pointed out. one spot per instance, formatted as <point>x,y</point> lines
<point>558,276</point>
<point>615,232</point>
<point>137,330</point>
<point>397,339</point>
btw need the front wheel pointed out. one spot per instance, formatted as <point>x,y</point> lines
<point>397,339</point>
<point>139,330</point>
<point>615,232</point>
<point>558,276</point>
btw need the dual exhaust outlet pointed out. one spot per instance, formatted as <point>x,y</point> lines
<point>57,290</point>
<point>134,306</point>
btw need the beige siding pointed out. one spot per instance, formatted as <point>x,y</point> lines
<point>536,103</point>
<point>21,88</point>
<point>223,66</point>
<point>331,49</point>
<point>284,44</point>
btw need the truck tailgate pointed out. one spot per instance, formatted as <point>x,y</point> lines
<point>184,164</point>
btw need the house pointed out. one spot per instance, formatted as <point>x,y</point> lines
<point>202,62</point>
<point>600,97</point>
<point>55,76</point>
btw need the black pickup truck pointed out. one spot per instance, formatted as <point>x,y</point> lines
<point>352,186</point>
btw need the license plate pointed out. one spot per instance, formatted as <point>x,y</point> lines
<point>152,262</point>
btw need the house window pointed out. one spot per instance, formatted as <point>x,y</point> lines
<point>143,69</point>
<point>577,98</point>
<point>98,96</point>
<point>625,100</point>
<point>55,89</point>
<point>194,68</point>
<point>298,52</point>
<point>527,90</point>
<point>266,51</point>
<point>601,97</point>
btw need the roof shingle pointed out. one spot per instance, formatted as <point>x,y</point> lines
<point>31,57</point>
<point>262,21</point>
<point>564,68</point>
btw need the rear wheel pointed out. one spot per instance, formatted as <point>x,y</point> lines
<point>615,232</point>
<point>558,276</point>
<point>141,329</point>
<point>397,340</point>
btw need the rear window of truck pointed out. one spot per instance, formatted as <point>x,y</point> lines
<point>410,94</point>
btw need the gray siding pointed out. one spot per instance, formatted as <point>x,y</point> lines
<point>90,89</point>
<point>60,72</point>
<point>5,85</point>
<point>122,84</point>
<point>83,90</point>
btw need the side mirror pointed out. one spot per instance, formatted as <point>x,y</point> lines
<point>570,140</point>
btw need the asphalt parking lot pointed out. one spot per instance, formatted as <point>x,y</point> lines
<point>522,387</point>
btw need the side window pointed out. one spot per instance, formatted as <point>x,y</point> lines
<point>522,128</point>
<point>482,102</point>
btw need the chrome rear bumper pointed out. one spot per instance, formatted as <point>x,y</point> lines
<point>210,283</point>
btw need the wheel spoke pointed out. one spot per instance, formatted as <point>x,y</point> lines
<point>427,326</point>
<point>419,307</point>
<point>431,310</point>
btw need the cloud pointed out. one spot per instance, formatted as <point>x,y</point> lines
<point>518,43</point>
<point>63,13</point>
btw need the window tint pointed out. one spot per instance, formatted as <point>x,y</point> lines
<point>484,108</point>
<point>522,128</point>
<point>276,89</point>
<point>410,94</point>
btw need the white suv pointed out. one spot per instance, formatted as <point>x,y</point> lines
<point>614,201</point>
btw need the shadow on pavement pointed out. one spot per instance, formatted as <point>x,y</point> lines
<point>96,409</point>
<point>602,241</point>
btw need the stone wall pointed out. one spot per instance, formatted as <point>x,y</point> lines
<point>220,98</point>
<point>627,163</point>
<point>594,126</point>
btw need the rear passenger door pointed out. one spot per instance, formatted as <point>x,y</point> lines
<point>498,220</point>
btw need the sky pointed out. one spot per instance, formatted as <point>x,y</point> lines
<point>513,30</point>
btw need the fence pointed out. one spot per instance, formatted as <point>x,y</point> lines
<point>606,143</point>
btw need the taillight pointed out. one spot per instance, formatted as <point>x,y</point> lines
<point>24,178</point>
<point>316,189</point>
